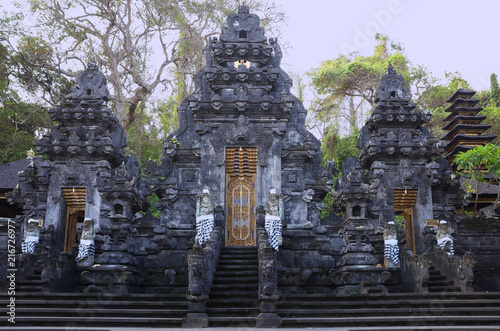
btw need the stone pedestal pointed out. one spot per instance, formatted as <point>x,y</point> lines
<point>268,317</point>
<point>197,316</point>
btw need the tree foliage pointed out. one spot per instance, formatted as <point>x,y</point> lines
<point>346,88</point>
<point>480,165</point>
<point>139,45</point>
<point>435,96</point>
<point>20,121</point>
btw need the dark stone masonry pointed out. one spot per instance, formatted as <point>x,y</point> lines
<point>243,171</point>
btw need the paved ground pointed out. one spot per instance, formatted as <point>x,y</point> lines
<point>427,328</point>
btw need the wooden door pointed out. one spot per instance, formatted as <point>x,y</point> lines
<point>241,170</point>
<point>75,213</point>
<point>404,201</point>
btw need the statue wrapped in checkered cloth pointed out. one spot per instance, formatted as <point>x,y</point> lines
<point>443,237</point>
<point>274,213</point>
<point>391,247</point>
<point>31,236</point>
<point>204,217</point>
<point>86,248</point>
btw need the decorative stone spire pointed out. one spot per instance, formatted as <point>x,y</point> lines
<point>392,87</point>
<point>87,128</point>
<point>243,9</point>
<point>90,84</point>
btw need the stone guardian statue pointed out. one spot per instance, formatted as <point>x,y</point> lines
<point>204,216</point>
<point>86,248</point>
<point>31,236</point>
<point>391,247</point>
<point>443,237</point>
<point>274,213</point>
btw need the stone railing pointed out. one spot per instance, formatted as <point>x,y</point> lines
<point>458,268</point>
<point>415,271</point>
<point>268,276</point>
<point>202,262</point>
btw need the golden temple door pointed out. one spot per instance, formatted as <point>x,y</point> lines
<point>75,213</point>
<point>241,170</point>
<point>403,205</point>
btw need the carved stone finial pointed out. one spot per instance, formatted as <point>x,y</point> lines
<point>243,9</point>
<point>30,154</point>
<point>392,87</point>
<point>91,84</point>
<point>92,65</point>
<point>391,70</point>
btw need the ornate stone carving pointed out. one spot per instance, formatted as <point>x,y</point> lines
<point>242,134</point>
<point>31,236</point>
<point>274,214</point>
<point>204,217</point>
<point>86,247</point>
<point>444,238</point>
<point>391,246</point>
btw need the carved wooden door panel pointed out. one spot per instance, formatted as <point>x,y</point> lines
<point>75,213</point>
<point>241,170</point>
<point>403,203</point>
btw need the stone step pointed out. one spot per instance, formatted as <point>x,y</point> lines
<point>440,283</point>
<point>232,321</point>
<point>36,281</point>
<point>239,311</point>
<point>437,277</point>
<point>81,297</point>
<point>286,303</point>
<point>236,267</point>
<point>240,294</point>
<point>320,312</point>
<point>29,288</point>
<point>239,256</point>
<point>235,286</point>
<point>483,296</point>
<point>229,303</point>
<point>96,321</point>
<point>253,262</point>
<point>232,279</point>
<point>100,311</point>
<point>235,272</point>
<point>95,303</point>
<point>380,322</point>
<point>445,288</point>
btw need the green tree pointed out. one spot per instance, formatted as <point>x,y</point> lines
<point>139,45</point>
<point>346,89</point>
<point>434,98</point>
<point>20,121</point>
<point>480,165</point>
<point>495,91</point>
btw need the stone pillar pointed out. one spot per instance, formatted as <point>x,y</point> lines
<point>197,315</point>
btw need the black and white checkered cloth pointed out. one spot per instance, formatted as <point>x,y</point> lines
<point>274,228</point>
<point>204,226</point>
<point>391,250</point>
<point>442,244</point>
<point>86,248</point>
<point>28,245</point>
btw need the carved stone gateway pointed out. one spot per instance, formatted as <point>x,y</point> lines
<point>242,170</point>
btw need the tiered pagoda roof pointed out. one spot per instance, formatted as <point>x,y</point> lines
<point>464,127</point>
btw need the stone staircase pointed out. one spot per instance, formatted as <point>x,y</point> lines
<point>61,310</point>
<point>439,282</point>
<point>32,284</point>
<point>233,297</point>
<point>390,310</point>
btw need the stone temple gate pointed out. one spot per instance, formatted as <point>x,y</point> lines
<point>241,190</point>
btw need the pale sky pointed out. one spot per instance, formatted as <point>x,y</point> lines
<point>443,35</point>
